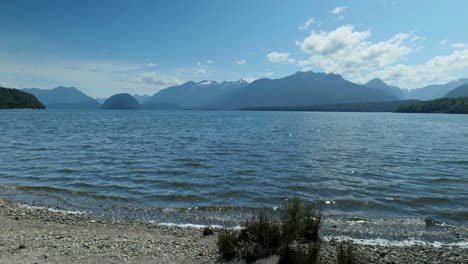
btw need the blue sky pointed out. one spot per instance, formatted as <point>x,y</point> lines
<point>141,46</point>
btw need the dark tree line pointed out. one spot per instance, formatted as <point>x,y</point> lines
<point>15,99</point>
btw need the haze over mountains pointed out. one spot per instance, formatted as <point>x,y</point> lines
<point>64,98</point>
<point>380,85</point>
<point>194,95</point>
<point>458,92</point>
<point>299,89</point>
<point>432,92</point>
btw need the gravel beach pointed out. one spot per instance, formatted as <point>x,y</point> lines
<point>39,235</point>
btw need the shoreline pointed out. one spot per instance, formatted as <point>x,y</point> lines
<point>43,235</point>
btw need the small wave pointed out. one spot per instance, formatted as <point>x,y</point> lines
<point>245,172</point>
<point>158,172</point>
<point>446,180</point>
<point>68,191</point>
<point>194,226</point>
<point>171,172</point>
<point>64,171</point>
<point>195,165</point>
<point>188,160</point>
<point>462,162</point>
<point>51,209</point>
<point>396,243</point>
<point>38,149</point>
<point>178,197</point>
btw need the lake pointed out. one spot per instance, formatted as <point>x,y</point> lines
<point>199,166</point>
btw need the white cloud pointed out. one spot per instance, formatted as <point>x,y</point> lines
<point>268,74</point>
<point>239,62</point>
<point>348,52</point>
<point>210,62</point>
<point>201,72</point>
<point>439,69</point>
<point>156,79</point>
<point>324,43</point>
<point>307,24</point>
<point>291,61</point>
<point>339,10</point>
<point>443,42</point>
<point>416,39</point>
<point>277,57</point>
<point>459,46</point>
<point>152,64</point>
<point>94,77</point>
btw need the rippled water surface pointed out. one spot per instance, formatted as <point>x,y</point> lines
<point>373,165</point>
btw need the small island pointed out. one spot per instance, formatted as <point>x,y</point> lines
<point>457,105</point>
<point>16,99</point>
<point>121,101</point>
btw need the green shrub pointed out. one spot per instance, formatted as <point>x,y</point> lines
<point>263,236</point>
<point>345,253</point>
<point>300,221</point>
<point>300,255</point>
<point>260,237</point>
<point>227,243</point>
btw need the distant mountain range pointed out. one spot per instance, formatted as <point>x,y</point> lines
<point>432,92</point>
<point>302,89</point>
<point>380,85</point>
<point>64,98</point>
<point>141,98</point>
<point>204,94</point>
<point>16,99</point>
<point>458,92</point>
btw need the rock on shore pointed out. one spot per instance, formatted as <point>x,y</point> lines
<point>38,235</point>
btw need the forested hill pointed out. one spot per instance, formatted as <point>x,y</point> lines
<point>350,107</point>
<point>16,99</point>
<point>445,105</point>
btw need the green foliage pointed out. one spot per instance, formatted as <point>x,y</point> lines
<point>345,253</point>
<point>445,105</point>
<point>227,244</point>
<point>300,255</point>
<point>259,238</point>
<point>263,236</point>
<point>300,221</point>
<point>15,99</point>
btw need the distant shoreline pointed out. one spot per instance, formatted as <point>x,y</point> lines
<point>53,236</point>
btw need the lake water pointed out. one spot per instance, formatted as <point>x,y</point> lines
<point>199,166</point>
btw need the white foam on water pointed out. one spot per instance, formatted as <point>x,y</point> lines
<point>51,209</point>
<point>396,243</point>
<point>194,226</point>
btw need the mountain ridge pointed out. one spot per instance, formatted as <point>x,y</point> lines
<point>196,94</point>
<point>64,98</point>
<point>460,91</point>
<point>305,88</point>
